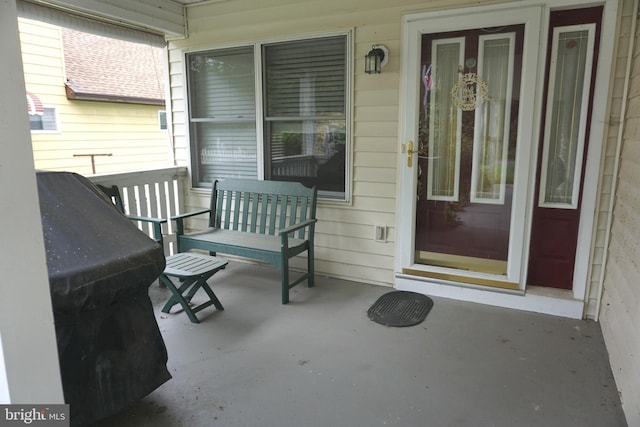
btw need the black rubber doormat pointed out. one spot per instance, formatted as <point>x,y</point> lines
<point>400,308</point>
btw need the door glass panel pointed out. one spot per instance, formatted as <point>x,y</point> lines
<point>565,128</point>
<point>444,121</point>
<point>490,147</point>
<point>465,181</point>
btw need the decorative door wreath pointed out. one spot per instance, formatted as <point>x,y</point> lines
<point>469,92</point>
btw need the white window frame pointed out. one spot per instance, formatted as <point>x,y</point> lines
<point>194,121</point>
<point>57,122</point>
<point>582,127</point>
<point>462,19</point>
<point>166,124</point>
<point>259,107</point>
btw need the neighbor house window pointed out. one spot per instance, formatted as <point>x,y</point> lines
<point>162,120</point>
<point>46,121</point>
<point>276,111</point>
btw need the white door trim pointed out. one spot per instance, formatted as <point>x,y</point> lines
<point>469,18</point>
<point>535,15</point>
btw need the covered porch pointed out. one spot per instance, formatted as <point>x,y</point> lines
<point>319,361</point>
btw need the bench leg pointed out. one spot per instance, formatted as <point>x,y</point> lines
<point>310,267</point>
<point>284,270</point>
<point>285,279</point>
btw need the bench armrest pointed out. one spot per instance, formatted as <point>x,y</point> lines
<point>297,226</point>
<point>179,219</point>
<point>147,219</point>
<point>157,226</point>
<point>189,214</point>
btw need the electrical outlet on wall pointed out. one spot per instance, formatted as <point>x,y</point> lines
<point>380,233</point>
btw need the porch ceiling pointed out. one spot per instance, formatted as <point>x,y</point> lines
<point>164,17</point>
<point>158,17</point>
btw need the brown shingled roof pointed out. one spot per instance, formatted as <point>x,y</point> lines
<point>105,69</point>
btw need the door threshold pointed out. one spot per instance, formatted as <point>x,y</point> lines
<point>555,302</point>
<point>545,291</point>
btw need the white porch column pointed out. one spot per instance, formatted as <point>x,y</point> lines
<point>29,369</point>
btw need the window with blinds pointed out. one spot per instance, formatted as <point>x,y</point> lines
<point>304,102</point>
<point>305,112</point>
<point>222,101</point>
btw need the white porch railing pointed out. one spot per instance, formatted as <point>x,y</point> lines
<point>157,193</point>
<point>299,165</point>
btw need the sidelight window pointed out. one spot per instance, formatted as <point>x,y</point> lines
<point>566,120</point>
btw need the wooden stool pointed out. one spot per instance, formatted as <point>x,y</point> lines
<point>193,270</point>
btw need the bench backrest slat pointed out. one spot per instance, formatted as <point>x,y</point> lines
<point>237,198</point>
<point>303,214</point>
<point>283,212</point>
<point>245,212</point>
<point>261,206</point>
<point>263,215</point>
<point>293,211</point>
<point>215,219</point>
<point>254,212</point>
<point>228,198</point>
<point>273,214</point>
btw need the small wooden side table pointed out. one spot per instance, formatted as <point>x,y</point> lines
<point>193,270</point>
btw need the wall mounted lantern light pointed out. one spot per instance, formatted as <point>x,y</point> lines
<point>377,58</point>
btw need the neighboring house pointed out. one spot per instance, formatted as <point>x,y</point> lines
<point>96,103</point>
<point>529,199</point>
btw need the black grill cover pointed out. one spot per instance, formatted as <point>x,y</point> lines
<point>100,268</point>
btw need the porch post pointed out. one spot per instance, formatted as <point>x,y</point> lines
<point>29,369</point>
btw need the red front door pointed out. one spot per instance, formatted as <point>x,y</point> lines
<point>468,131</point>
<point>570,77</point>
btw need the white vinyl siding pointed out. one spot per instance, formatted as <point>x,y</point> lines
<point>344,239</point>
<point>619,315</point>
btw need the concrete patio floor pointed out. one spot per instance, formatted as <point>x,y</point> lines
<point>319,361</point>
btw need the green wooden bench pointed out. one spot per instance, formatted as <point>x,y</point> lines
<point>271,221</point>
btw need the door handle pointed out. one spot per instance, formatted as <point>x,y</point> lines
<point>420,152</point>
<point>411,152</point>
